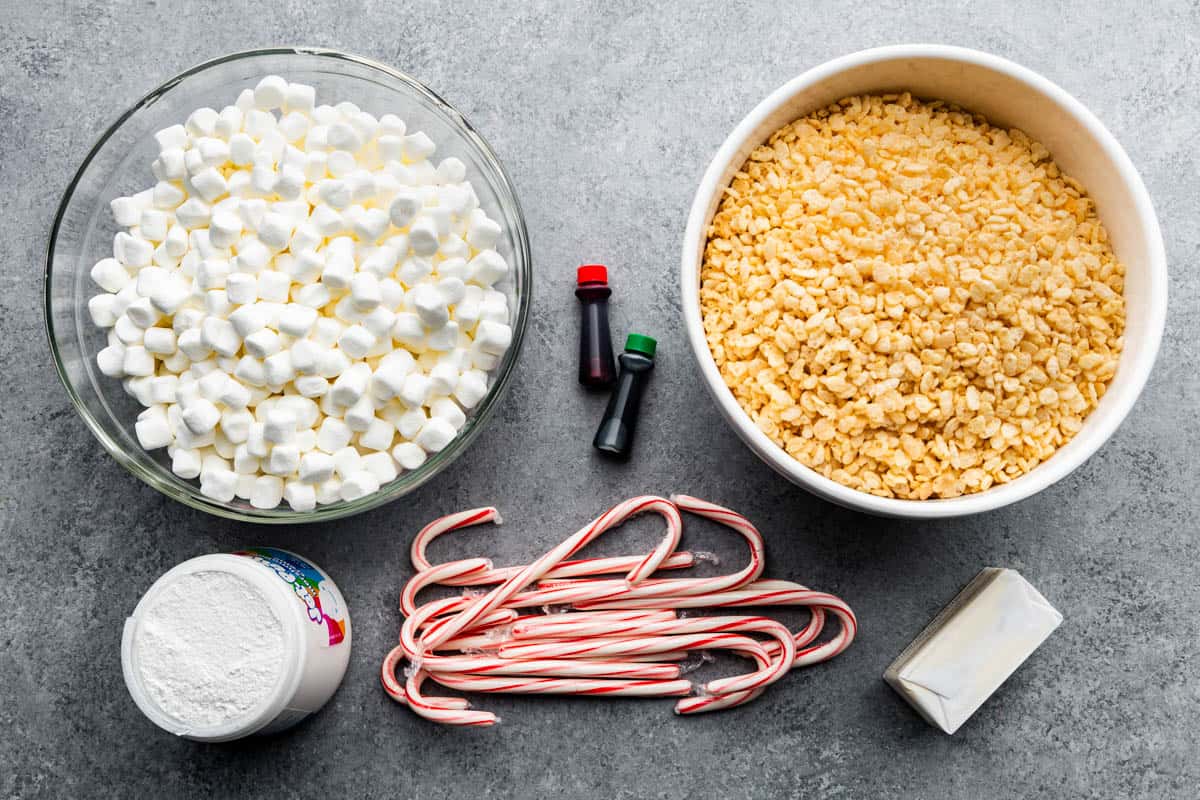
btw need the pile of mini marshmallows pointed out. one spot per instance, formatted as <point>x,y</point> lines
<point>303,302</point>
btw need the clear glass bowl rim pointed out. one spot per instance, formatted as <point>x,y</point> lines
<point>190,495</point>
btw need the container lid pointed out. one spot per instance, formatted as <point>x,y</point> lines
<point>639,343</point>
<point>592,273</point>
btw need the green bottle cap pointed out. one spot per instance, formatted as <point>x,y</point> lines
<point>641,344</point>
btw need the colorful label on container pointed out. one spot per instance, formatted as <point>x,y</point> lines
<point>323,604</point>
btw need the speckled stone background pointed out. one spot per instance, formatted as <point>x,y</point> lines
<point>606,115</point>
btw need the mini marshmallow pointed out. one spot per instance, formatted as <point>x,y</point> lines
<point>160,341</point>
<point>413,270</point>
<point>315,467</point>
<point>364,291</point>
<point>423,236</point>
<point>339,270</point>
<point>201,122</point>
<point>360,415</point>
<point>333,435</point>
<point>212,273</point>
<point>201,416</point>
<point>493,337</point>
<point>379,322</point>
<point>368,225</point>
<point>229,122</point>
<point>299,97</point>
<point>191,343</point>
<point>418,147</point>
<point>494,306</point>
<point>279,426</point>
<point>356,341</point>
<point>346,461</point>
<point>251,212</point>
<point>234,395</point>
<point>482,233</point>
<point>174,136</point>
<point>327,219</point>
<point>389,376</point>
<point>248,319</point>
<point>275,230</point>
<point>137,361</point>
<point>381,466</point>
<point>220,336</point>
<point>411,421</point>
<point>153,224</point>
<point>127,210</point>
<point>300,496</point>
<point>351,385</point>
<point>359,484</point>
<point>241,288</point>
<point>332,363</point>
<point>219,484</point>
<point>273,286</point>
<point>176,242</point>
<point>164,389</point>
<point>224,229</point>
<point>111,360</point>
<point>127,332</point>
<point>447,409</point>
<point>404,207</point>
<point>209,184</point>
<point>250,370</point>
<point>283,460</point>
<point>435,435</point>
<point>409,455</point>
<point>378,435</point>
<point>297,320</point>
<point>132,251</point>
<point>306,356</point>
<point>252,256</point>
<point>430,306</point>
<point>415,390</point>
<point>216,303</point>
<point>268,491</point>
<point>311,385</point>
<point>451,170</point>
<point>186,463</point>
<point>472,387</point>
<point>444,338</point>
<point>408,330</point>
<point>263,343</point>
<point>487,268</point>
<point>245,462</point>
<point>341,163</point>
<point>443,378</point>
<point>193,213</point>
<point>452,290</point>
<point>314,295</point>
<point>278,369</point>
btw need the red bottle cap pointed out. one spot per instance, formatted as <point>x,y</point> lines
<point>592,273</point>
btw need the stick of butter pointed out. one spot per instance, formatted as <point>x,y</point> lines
<point>972,646</point>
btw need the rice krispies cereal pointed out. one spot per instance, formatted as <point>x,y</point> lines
<point>910,301</point>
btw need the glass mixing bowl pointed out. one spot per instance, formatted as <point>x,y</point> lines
<point>119,164</point>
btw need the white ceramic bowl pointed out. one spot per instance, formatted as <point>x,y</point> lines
<point>1008,95</point>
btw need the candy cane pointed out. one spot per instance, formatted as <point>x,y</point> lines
<point>538,568</point>
<point>619,632</point>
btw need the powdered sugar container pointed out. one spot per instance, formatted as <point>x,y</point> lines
<point>232,644</point>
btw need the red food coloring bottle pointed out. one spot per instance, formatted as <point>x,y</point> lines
<point>597,368</point>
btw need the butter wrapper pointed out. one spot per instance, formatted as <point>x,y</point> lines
<point>972,646</point>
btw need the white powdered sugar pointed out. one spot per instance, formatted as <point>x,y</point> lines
<point>209,649</point>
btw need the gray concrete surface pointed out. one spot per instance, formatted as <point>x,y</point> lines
<point>606,114</point>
